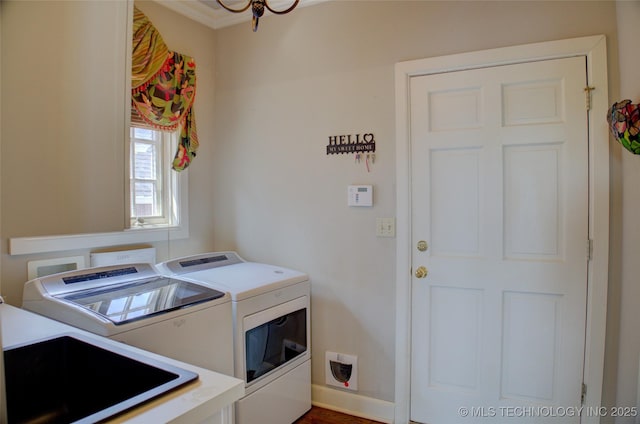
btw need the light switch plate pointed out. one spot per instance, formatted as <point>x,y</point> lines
<point>385,227</point>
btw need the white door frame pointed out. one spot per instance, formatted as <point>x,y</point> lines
<point>594,48</point>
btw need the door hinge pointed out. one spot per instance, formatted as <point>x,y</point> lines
<point>583,394</point>
<point>587,92</point>
<point>589,249</point>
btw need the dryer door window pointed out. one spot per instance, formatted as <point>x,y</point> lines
<point>274,343</point>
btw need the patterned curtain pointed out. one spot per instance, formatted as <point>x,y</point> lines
<point>163,88</point>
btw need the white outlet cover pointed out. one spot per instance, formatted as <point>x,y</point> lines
<point>330,380</point>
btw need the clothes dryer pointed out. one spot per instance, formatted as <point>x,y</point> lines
<point>271,331</point>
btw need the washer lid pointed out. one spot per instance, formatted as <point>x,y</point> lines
<point>141,299</point>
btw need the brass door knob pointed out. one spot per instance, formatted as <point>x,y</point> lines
<point>421,272</point>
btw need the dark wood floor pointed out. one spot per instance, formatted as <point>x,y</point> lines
<point>325,416</point>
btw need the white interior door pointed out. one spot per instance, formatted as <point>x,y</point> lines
<point>499,176</point>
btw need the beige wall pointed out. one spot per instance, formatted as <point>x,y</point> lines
<point>262,183</point>
<point>327,70</point>
<point>63,117</point>
<point>623,338</point>
<point>62,131</point>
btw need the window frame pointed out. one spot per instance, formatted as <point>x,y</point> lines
<point>159,176</point>
<point>174,185</point>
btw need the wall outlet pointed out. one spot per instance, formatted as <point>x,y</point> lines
<point>341,370</point>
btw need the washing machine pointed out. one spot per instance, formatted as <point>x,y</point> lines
<point>271,331</point>
<point>135,304</point>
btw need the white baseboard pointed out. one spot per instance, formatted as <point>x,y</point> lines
<point>352,404</point>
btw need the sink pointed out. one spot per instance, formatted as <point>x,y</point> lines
<point>74,378</point>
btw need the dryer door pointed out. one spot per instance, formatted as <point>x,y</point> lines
<point>275,337</point>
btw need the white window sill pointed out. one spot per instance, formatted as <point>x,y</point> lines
<point>31,245</point>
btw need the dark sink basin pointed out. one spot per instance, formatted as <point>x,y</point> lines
<point>72,378</point>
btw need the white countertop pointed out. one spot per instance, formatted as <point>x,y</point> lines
<point>192,403</point>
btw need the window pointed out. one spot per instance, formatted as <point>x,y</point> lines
<point>155,190</point>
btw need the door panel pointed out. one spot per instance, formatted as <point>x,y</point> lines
<point>455,317</point>
<point>531,176</point>
<point>529,352</point>
<point>455,220</point>
<point>499,178</point>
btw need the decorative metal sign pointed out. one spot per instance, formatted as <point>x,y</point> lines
<point>351,144</point>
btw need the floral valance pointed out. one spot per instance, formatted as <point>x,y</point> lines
<point>163,88</point>
<point>624,124</point>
